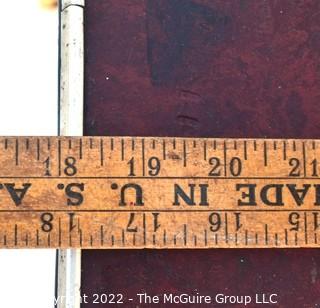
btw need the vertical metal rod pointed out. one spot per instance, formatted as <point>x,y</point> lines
<point>70,124</point>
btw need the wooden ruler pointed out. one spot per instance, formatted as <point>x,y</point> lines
<point>124,192</point>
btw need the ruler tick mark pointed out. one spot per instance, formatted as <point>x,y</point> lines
<point>59,232</point>
<point>111,144</point>
<point>184,153</point>
<point>266,236</point>
<point>195,240</point>
<point>226,228</point>
<point>143,157</point>
<point>37,238</point>
<point>122,149</point>
<point>164,237</point>
<point>101,235</point>
<point>164,149</point>
<point>225,157</point>
<point>265,153</point>
<point>101,152</point>
<point>246,237</point>
<point>38,149</point>
<point>214,144</point>
<point>27,144</point>
<point>304,159</point>
<point>144,229</point>
<point>294,146</point>
<point>80,148</point>
<point>205,150</point>
<point>59,157</point>
<point>17,152</point>
<point>15,235</point>
<point>284,150</point>
<point>245,154</point>
<point>185,234</point>
<point>305,228</point>
<point>205,237</point>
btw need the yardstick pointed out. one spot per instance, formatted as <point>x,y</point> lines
<point>150,192</point>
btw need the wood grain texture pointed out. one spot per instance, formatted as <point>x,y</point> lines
<point>204,68</point>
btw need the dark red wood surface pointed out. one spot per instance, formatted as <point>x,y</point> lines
<point>205,68</point>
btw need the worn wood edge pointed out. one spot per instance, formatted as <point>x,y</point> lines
<point>70,123</point>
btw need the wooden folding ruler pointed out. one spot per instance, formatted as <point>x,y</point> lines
<point>149,192</point>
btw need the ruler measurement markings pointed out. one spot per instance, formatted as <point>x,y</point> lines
<point>27,144</point>
<point>205,150</point>
<point>205,237</point>
<point>122,149</point>
<point>300,238</point>
<point>164,149</point>
<point>286,236</point>
<point>17,152</point>
<point>284,150</point>
<point>305,228</point>
<point>184,153</point>
<point>38,149</point>
<point>245,154</point>
<point>226,228</point>
<point>80,148</point>
<point>185,240</point>
<point>101,152</point>
<point>143,157</point>
<point>265,153</point>
<point>214,144</point>
<point>304,156</point>
<point>225,157</point>
<point>111,144</point>
<point>59,157</point>
<point>294,146</point>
